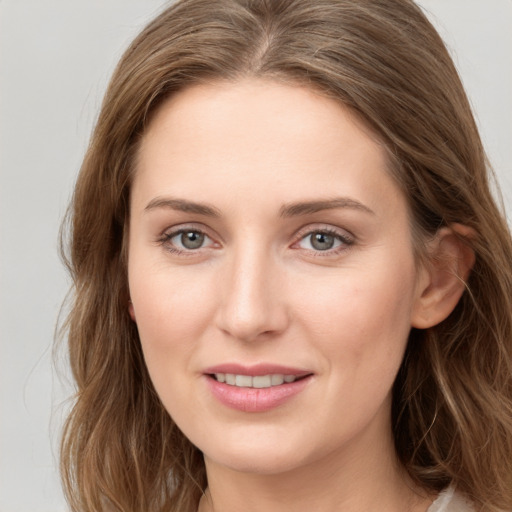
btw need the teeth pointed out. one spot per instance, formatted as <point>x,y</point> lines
<point>260,381</point>
<point>243,381</point>
<point>277,380</point>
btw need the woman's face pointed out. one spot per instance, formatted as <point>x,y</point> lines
<point>269,244</point>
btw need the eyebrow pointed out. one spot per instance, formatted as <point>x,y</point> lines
<point>183,206</point>
<point>288,210</point>
<point>309,207</point>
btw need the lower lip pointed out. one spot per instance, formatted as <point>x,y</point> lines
<point>255,399</point>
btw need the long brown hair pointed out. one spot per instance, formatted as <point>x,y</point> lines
<point>452,399</point>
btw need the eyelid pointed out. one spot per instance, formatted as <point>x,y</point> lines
<point>324,228</point>
<point>346,237</point>
<point>190,226</point>
<point>172,231</point>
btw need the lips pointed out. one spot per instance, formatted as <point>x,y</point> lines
<point>256,388</point>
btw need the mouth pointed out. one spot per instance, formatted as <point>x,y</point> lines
<point>256,381</point>
<point>256,388</point>
<point>256,391</point>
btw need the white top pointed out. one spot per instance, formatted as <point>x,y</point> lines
<point>450,501</point>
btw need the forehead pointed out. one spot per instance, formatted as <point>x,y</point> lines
<point>259,135</point>
<point>251,104</point>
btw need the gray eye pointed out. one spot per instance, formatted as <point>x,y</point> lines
<point>190,239</point>
<point>322,241</point>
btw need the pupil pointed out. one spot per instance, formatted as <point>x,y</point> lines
<point>192,240</point>
<point>322,241</point>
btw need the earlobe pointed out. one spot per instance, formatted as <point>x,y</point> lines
<point>131,310</point>
<point>443,281</point>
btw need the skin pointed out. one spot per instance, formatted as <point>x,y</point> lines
<point>257,290</point>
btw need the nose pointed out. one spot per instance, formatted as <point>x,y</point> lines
<point>252,301</point>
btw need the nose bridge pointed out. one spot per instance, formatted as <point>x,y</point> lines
<point>251,304</point>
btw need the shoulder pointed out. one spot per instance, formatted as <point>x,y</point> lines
<point>451,501</point>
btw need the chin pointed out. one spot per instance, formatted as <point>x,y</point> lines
<point>263,454</point>
<point>258,462</point>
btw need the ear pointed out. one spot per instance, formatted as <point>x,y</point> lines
<point>443,279</point>
<point>131,310</point>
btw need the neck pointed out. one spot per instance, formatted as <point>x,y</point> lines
<point>348,481</point>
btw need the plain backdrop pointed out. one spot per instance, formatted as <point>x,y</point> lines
<point>55,60</point>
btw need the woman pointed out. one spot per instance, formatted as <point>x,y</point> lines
<point>293,289</point>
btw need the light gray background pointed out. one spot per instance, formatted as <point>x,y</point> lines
<point>55,59</point>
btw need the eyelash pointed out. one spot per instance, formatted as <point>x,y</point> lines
<point>346,241</point>
<point>165,240</point>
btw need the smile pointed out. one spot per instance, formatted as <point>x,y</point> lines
<point>259,381</point>
<point>256,388</point>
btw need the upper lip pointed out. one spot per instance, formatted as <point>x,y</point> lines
<point>256,369</point>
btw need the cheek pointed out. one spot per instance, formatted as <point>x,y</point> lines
<point>168,325</point>
<point>172,311</point>
<point>364,313</point>
<point>168,299</point>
